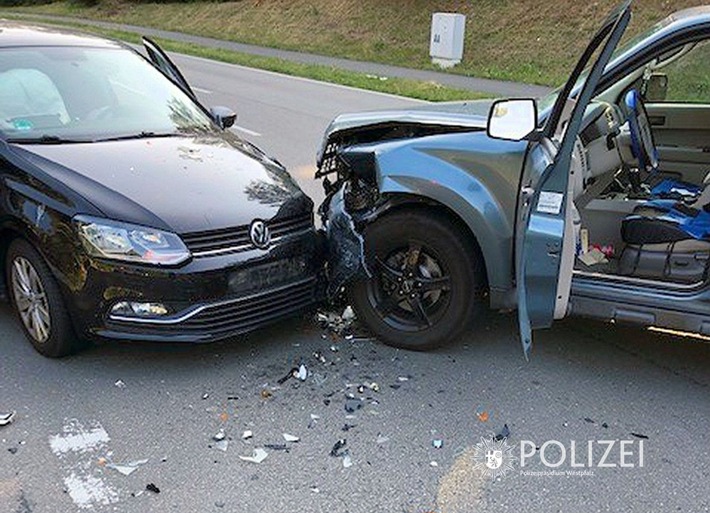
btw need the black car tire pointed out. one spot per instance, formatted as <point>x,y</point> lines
<point>60,339</point>
<point>442,245</point>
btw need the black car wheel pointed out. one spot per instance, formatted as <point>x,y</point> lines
<point>37,301</point>
<point>427,280</point>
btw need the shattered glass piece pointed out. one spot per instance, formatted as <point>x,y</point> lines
<point>219,436</point>
<point>205,396</point>
<point>247,435</point>
<point>222,445</point>
<point>314,416</point>
<point>433,464</point>
<point>437,443</point>
<point>6,418</point>
<point>319,356</point>
<point>120,384</point>
<point>346,247</point>
<point>347,460</point>
<point>126,468</point>
<point>352,404</point>
<point>382,439</point>
<point>257,456</point>
<point>152,488</point>
<point>337,450</point>
<point>403,378</point>
<point>290,438</point>
<point>504,433</point>
<point>374,387</point>
<point>315,489</point>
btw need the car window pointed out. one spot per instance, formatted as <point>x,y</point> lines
<point>689,76</point>
<point>29,96</point>
<point>89,94</point>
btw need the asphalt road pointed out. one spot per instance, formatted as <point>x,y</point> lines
<point>586,382</point>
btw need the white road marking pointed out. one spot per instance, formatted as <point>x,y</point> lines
<point>201,90</point>
<point>301,79</point>
<point>75,438</point>
<point>246,130</point>
<point>77,447</point>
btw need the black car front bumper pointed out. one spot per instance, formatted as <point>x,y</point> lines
<point>210,298</point>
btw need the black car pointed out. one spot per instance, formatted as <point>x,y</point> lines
<point>128,209</point>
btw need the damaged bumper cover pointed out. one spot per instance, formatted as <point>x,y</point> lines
<point>346,246</point>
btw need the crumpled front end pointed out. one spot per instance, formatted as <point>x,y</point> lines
<point>346,246</point>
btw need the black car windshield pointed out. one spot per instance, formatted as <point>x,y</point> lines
<point>76,94</point>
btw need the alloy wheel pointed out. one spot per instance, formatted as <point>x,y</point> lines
<point>31,299</point>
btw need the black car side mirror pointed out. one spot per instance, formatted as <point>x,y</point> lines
<point>223,116</point>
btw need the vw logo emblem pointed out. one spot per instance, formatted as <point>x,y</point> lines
<point>259,234</point>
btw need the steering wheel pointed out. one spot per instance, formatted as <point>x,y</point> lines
<point>643,146</point>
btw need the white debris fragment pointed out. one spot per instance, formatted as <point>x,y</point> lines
<point>382,439</point>
<point>119,384</point>
<point>6,418</point>
<point>290,438</point>
<point>222,445</point>
<point>347,461</point>
<point>348,314</point>
<point>403,378</point>
<point>219,436</point>
<point>433,464</point>
<point>247,435</point>
<point>127,468</point>
<point>258,456</point>
<point>302,373</point>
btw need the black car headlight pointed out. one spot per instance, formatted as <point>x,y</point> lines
<point>131,243</point>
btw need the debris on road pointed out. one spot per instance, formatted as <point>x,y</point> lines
<point>504,433</point>
<point>278,447</point>
<point>152,488</point>
<point>639,435</point>
<point>247,435</point>
<point>433,464</point>
<point>337,450</point>
<point>124,468</point>
<point>302,373</point>
<point>119,384</point>
<point>219,436</point>
<point>352,404</point>
<point>6,418</point>
<point>222,445</point>
<point>266,394</point>
<point>205,396</point>
<point>339,324</point>
<point>382,439</point>
<point>347,460</point>
<point>257,456</point>
<point>482,414</point>
<point>437,443</point>
<point>290,438</point>
<point>589,421</point>
<point>347,427</point>
<point>12,450</point>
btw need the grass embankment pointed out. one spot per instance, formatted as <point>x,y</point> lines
<point>526,41</point>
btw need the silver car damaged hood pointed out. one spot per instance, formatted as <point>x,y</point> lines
<point>468,114</point>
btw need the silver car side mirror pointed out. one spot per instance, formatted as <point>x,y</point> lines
<point>512,120</point>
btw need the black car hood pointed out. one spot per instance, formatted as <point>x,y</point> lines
<point>184,183</point>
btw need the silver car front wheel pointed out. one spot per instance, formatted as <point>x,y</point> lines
<point>31,300</point>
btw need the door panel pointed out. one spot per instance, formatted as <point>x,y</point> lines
<point>682,134</point>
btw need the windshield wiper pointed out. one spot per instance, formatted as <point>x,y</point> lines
<point>140,135</point>
<point>45,139</point>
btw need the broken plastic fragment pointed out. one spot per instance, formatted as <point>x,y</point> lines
<point>338,447</point>
<point>247,435</point>
<point>120,384</point>
<point>6,418</point>
<point>266,394</point>
<point>347,460</point>
<point>504,433</point>
<point>205,396</point>
<point>302,373</point>
<point>222,445</point>
<point>352,404</point>
<point>290,438</point>
<point>382,439</point>
<point>126,468</point>
<point>639,435</point>
<point>348,314</point>
<point>374,387</point>
<point>437,443</point>
<point>482,414</point>
<point>257,456</point>
<point>219,436</point>
<point>152,488</point>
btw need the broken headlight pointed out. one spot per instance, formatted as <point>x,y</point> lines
<point>131,243</point>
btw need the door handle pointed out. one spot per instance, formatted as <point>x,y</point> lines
<point>657,120</point>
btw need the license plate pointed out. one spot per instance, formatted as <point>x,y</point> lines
<point>269,275</point>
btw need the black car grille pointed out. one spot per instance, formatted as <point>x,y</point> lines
<point>237,239</point>
<point>247,314</point>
